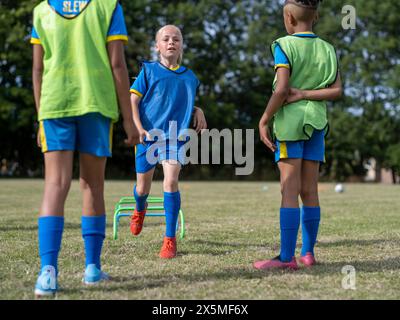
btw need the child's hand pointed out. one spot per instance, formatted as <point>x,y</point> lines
<point>265,135</point>
<point>294,95</point>
<point>143,134</point>
<point>131,133</point>
<point>199,120</point>
<point>38,140</point>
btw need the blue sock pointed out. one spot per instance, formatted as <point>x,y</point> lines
<point>140,200</point>
<point>50,235</point>
<point>309,228</point>
<point>172,205</point>
<point>93,233</point>
<point>290,222</point>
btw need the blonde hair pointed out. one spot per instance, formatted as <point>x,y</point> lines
<point>180,33</point>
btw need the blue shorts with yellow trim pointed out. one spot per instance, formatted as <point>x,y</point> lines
<point>150,153</point>
<point>90,133</point>
<point>313,149</point>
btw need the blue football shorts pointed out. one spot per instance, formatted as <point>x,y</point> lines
<point>313,149</point>
<point>90,133</point>
<point>150,153</point>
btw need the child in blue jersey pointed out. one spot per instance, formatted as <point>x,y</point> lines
<point>315,72</point>
<point>164,91</point>
<point>80,122</point>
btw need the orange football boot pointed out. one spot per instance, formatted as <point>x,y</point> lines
<point>137,221</point>
<point>168,249</point>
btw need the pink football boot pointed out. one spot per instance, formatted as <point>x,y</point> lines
<point>276,263</point>
<point>308,260</point>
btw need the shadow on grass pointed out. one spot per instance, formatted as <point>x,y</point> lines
<point>216,248</point>
<point>358,242</point>
<point>34,227</point>
<point>136,283</point>
<point>344,243</point>
<point>228,244</point>
<point>388,264</point>
<point>129,283</point>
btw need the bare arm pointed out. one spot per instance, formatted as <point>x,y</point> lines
<point>135,100</point>
<point>278,96</point>
<point>121,79</point>
<point>37,73</point>
<point>199,119</point>
<point>331,93</point>
<point>276,101</point>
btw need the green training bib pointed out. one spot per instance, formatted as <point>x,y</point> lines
<point>313,65</point>
<point>77,77</point>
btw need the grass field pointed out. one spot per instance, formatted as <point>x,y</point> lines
<point>229,225</point>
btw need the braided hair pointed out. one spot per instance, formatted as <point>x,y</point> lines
<point>310,4</point>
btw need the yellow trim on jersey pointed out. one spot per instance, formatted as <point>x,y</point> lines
<point>111,136</point>
<point>176,68</point>
<point>283,150</point>
<point>42,137</point>
<point>118,37</point>
<point>35,41</point>
<point>136,92</point>
<point>282,65</point>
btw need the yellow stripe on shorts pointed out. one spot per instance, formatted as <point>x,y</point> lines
<point>111,136</point>
<point>42,133</point>
<point>283,151</point>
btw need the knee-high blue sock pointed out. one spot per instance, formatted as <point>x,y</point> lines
<point>50,235</point>
<point>93,233</point>
<point>310,219</point>
<point>172,205</point>
<point>290,222</point>
<point>140,200</point>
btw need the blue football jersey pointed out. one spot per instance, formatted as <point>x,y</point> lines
<point>167,95</point>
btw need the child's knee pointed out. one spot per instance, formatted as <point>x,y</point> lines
<point>170,184</point>
<point>92,186</point>
<point>290,187</point>
<point>61,185</point>
<point>308,193</point>
<point>141,189</point>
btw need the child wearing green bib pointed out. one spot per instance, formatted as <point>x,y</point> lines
<point>79,79</point>
<point>306,76</point>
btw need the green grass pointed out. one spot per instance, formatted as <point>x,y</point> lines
<point>229,225</point>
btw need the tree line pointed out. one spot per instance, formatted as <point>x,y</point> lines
<point>227,46</point>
